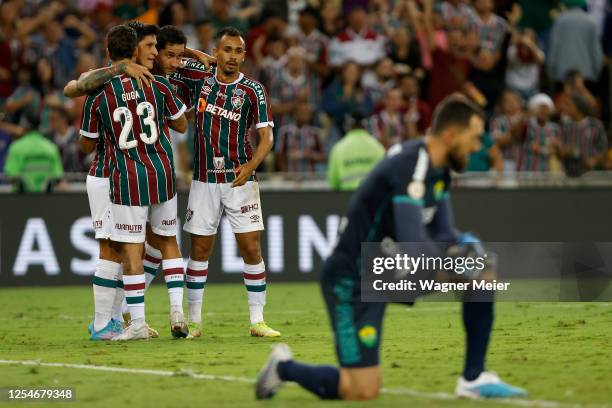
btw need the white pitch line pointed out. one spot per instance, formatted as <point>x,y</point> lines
<point>230,378</point>
<point>132,370</point>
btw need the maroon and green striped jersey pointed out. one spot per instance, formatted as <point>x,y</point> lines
<point>224,114</point>
<point>99,166</point>
<point>133,123</point>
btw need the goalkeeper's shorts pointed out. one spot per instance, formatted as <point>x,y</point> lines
<point>357,326</point>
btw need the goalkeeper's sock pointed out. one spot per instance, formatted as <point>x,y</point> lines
<point>119,299</point>
<point>478,321</point>
<point>174,277</point>
<point>134,286</point>
<point>322,380</point>
<point>151,261</point>
<point>255,283</point>
<point>195,280</point>
<point>104,285</point>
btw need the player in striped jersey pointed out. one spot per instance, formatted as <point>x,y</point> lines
<point>166,62</point>
<point>107,283</point>
<point>98,185</point>
<point>134,123</point>
<point>226,105</point>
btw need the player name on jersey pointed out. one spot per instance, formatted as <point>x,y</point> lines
<point>133,123</point>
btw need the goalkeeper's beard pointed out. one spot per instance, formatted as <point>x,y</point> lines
<point>457,163</point>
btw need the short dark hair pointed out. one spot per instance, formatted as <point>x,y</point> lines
<point>121,42</point>
<point>229,31</point>
<point>142,30</point>
<point>454,110</point>
<point>170,35</point>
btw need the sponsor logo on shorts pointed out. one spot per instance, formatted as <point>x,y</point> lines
<point>249,208</point>
<point>254,219</point>
<point>131,228</point>
<point>189,214</point>
<point>169,223</point>
<point>368,336</point>
<point>97,224</point>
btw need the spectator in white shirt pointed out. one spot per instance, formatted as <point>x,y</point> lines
<point>358,42</point>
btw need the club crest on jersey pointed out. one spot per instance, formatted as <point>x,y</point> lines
<point>219,162</point>
<point>238,98</point>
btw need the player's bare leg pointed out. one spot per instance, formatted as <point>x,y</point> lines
<point>360,384</point>
<point>197,272</point>
<point>134,284</point>
<point>255,282</point>
<point>174,272</point>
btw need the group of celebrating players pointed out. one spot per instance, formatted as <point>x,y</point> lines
<point>133,109</point>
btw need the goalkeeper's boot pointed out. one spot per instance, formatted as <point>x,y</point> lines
<point>487,385</point>
<point>195,330</point>
<point>106,333</point>
<point>268,381</point>
<point>178,325</point>
<point>261,329</point>
<point>134,331</point>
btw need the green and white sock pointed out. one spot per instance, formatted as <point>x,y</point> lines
<point>104,288</point>
<point>195,280</point>
<point>151,261</point>
<point>134,286</point>
<point>255,283</point>
<point>174,276</point>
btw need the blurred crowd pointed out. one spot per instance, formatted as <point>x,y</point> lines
<point>539,68</point>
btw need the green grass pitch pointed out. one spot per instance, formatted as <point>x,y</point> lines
<point>560,352</point>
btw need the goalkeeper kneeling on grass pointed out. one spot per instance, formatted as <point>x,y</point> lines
<point>405,198</point>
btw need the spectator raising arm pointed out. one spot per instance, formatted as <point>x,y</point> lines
<point>88,36</point>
